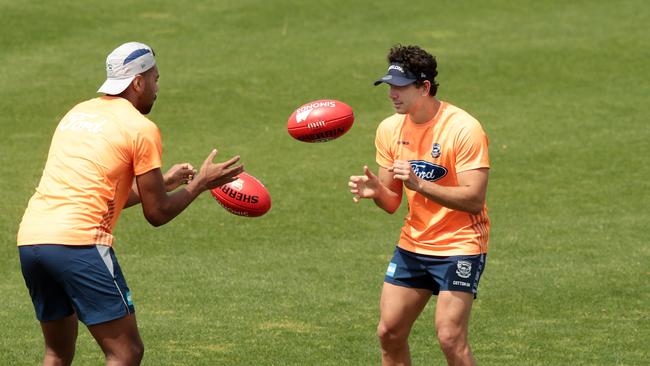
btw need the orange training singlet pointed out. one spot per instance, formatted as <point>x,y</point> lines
<point>97,149</point>
<point>452,142</point>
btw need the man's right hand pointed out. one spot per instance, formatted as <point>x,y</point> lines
<point>364,186</point>
<point>385,191</point>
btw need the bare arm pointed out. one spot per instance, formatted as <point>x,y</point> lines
<point>176,176</point>
<point>468,195</point>
<point>383,189</point>
<point>134,196</point>
<point>160,207</point>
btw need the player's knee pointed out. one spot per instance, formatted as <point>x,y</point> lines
<point>59,356</point>
<point>390,336</point>
<point>451,339</point>
<point>137,352</point>
<point>129,355</point>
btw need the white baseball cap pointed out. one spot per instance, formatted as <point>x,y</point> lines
<point>123,64</point>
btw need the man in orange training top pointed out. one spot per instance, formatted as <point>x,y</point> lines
<point>65,238</point>
<point>438,154</point>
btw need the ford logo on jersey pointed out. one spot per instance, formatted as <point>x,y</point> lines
<point>428,171</point>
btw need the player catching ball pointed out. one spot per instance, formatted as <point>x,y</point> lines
<point>438,154</point>
<point>99,150</point>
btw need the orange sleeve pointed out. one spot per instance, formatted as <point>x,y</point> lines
<point>384,155</point>
<point>472,148</point>
<point>147,149</point>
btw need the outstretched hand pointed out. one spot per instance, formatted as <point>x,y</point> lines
<point>364,186</point>
<point>214,175</point>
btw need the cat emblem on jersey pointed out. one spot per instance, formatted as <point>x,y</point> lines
<point>435,150</point>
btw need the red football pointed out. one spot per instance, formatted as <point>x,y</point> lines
<point>320,121</point>
<point>245,196</point>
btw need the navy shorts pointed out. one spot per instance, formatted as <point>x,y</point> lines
<point>453,273</point>
<point>64,279</point>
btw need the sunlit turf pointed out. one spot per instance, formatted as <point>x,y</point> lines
<point>561,89</point>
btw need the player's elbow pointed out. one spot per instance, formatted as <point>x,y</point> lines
<point>475,207</point>
<point>157,223</point>
<point>475,211</point>
<point>156,217</point>
<point>155,220</point>
<point>390,210</point>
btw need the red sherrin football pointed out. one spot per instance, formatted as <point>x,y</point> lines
<point>320,121</point>
<point>245,196</point>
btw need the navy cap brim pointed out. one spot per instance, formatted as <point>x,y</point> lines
<point>395,80</point>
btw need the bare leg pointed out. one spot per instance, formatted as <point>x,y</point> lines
<point>399,308</point>
<point>120,341</point>
<point>452,322</point>
<point>60,338</point>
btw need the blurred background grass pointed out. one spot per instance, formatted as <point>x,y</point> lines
<point>560,87</point>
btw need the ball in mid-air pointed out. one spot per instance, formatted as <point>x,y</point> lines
<point>320,121</point>
<point>245,196</point>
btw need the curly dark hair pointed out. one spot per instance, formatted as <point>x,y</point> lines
<point>418,61</point>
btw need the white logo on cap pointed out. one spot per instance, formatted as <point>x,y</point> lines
<point>396,67</point>
<point>387,77</point>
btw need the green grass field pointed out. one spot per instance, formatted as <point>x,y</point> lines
<point>560,87</point>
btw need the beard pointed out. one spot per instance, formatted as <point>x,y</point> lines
<point>146,108</point>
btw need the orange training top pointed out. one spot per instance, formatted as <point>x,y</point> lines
<point>97,149</point>
<point>450,143</point>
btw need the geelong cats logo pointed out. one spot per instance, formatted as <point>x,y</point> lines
<point>435,150</point>
<point>464,269</point>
